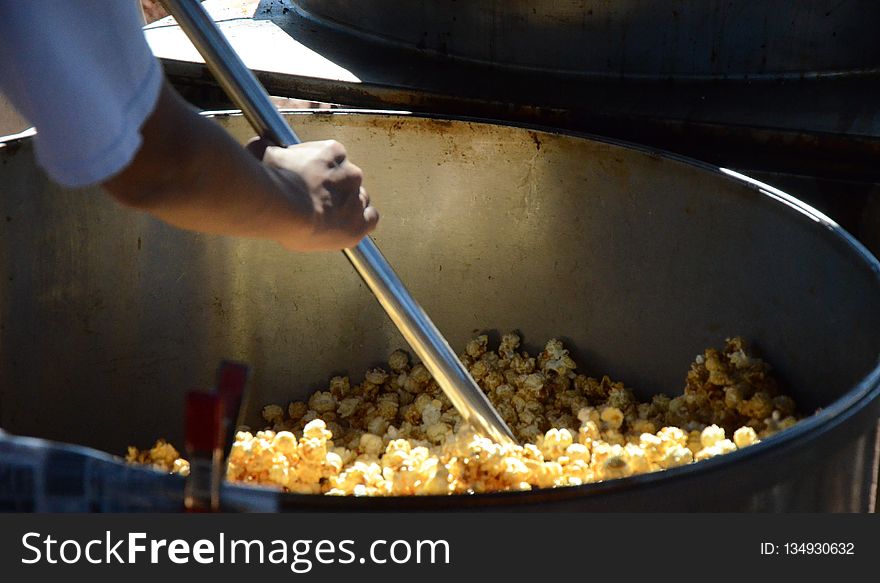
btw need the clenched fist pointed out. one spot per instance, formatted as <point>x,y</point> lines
<point>324,189</point>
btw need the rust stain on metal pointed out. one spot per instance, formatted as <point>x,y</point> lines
<point>535,139</point>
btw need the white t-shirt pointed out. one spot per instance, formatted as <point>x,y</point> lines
<point>82,73</point>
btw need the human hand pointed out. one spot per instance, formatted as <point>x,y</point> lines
<point>323,190</point>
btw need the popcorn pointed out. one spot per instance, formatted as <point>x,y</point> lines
<point>347,407</point>
<point>672,436</point>
<point>398,361</point>
<point>316,430</point>
<point>711,435</point>
<point>639,426</point>
<point>376,376</point>
<point>377,425</point>
<point>273,414</point>
<point>371,444</point>
<point>431,412</point>
<point>555,358</point>
<point>396,433</point>
<point>322,402</point>
<point>578,452</point>
<point>285,443</point>
<point>676,455</point>
<point>637,459</point>
<point>533,385</point>
<point>555,442</point>
<point>437,432</point>
<point>340,387</point>
<point>162,456</point>
<point>731,388</point>
<point>180,466</point>
<point>717,448</point>
<point>479,370</point>
<point>744,437</point>
<point>695,441</point>
<point>419,374</point>
<point>477,347</point>
<point>588,432</point>
<point>508,346</point>
<point>653,447</point>
<point>296,410</point>
<point>612,417</point>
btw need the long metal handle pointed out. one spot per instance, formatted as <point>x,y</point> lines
<point>414,324</point>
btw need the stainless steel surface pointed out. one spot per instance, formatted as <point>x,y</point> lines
<point>428,343</point>
<point>826,127</point>
<point>415,325</point>
<point>626,38</point>
<point>637,260</point>
<point>227,67</point>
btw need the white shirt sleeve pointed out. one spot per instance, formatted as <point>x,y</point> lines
<point>82,73</point>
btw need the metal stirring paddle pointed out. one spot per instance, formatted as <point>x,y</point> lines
<point>414,324</point>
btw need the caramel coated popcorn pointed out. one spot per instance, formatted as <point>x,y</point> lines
<point>162,456</point>
<point>396,433</point>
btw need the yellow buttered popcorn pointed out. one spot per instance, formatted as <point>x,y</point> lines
<point>396,434</point>
<point>744,437</point>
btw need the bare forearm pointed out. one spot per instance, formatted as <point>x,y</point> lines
<point>192,174</point>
